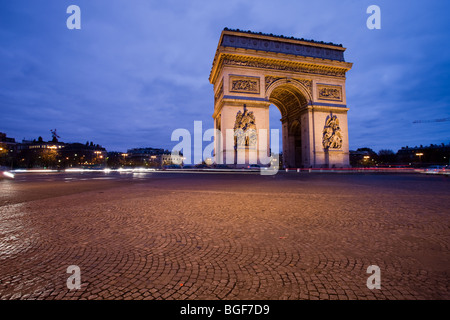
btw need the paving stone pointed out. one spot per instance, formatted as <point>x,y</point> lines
<point>232,237</point>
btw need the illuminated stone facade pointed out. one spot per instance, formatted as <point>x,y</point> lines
<point>304,79</point>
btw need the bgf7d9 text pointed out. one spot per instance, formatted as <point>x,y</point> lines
<point>246,309</point>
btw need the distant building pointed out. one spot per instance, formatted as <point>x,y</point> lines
<point>146,151</point>
<point>150,157</point>
<point>432,154</point>
<point>38,153</point>
<point>144,157</point>
<point>115,159</point>
<point>83,155</point>
<point>363,157</point>
<point>55,154</point>
<point>7,141</point>
<point>8,150</point>
<point>59,155</point>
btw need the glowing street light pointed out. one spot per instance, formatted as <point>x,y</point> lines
<point>419,154</point>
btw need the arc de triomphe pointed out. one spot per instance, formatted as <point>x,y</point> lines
<point>305,79</point>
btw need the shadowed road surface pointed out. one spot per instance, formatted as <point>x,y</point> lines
<point>224,236</point>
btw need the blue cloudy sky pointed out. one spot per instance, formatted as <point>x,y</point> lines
<point>139,69</point>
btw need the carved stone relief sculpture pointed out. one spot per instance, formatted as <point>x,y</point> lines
<point>332,136</point>
<point>245,128</point>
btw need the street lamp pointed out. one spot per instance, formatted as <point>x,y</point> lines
<point>419,154</point>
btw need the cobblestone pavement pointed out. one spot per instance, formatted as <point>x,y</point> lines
<point>227,236</point>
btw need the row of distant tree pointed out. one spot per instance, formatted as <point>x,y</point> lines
<point>412,156</point>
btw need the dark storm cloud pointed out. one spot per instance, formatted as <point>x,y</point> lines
<point>138,70</point>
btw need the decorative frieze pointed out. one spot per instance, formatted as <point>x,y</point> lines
<point>307,83</point>
<point>270,79</point>
<point>329,92</point>
<point>244,84</point>
<point>290,67</point>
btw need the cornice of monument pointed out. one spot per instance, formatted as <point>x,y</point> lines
<point>282,38</point>
<point>278,63</point>
<point>278,51</point>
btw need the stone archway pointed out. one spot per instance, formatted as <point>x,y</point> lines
<point>304,79</point>
<point>292,98</point>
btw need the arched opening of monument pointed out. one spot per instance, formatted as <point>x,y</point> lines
<point>275,124</point>
<point>291,103</point>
